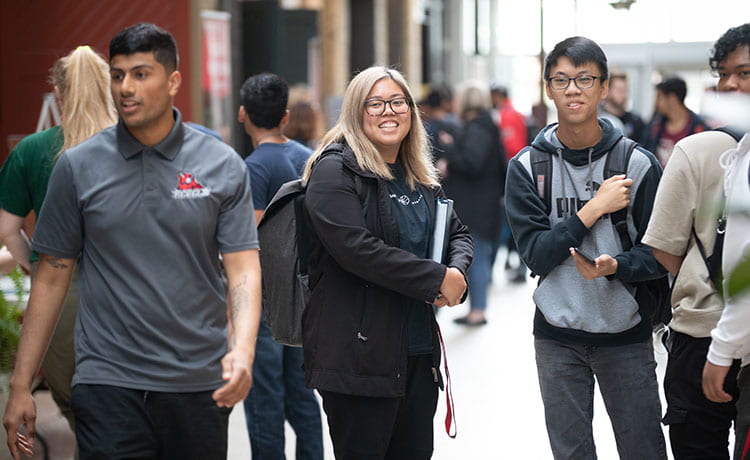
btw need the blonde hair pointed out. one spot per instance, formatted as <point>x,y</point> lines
<point>82,80</point>
<point>473,96</point>
<point>415,153</point>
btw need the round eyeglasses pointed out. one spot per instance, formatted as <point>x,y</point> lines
<point>561,82</point>
<point>376,107</point>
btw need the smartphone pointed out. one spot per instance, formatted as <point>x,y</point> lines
<point>585,256</point>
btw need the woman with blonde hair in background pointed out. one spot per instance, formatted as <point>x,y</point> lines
<point>81,84</point>
<point>369,332</point>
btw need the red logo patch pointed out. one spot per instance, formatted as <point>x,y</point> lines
<point>188,182</point>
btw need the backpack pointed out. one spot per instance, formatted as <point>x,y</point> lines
<point>616,163</point>
<point>713,262</point>
<point>284,254</point>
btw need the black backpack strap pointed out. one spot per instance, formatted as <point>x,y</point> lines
<point>303,237</point>
<point>736,135</point>
<point>541,170</point>
<point>617,163</point>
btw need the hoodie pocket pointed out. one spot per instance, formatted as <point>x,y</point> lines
<point>567,300</point>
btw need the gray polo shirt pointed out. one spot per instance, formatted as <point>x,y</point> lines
<point>149,224</point>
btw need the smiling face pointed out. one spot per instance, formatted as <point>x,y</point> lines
<point>143,93</point>
<point>577,106</point>
<point>386,131</point>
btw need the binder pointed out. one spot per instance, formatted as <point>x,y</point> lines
<point>443,212</point>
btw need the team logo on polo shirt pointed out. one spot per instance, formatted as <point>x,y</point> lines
<point>189,187</point>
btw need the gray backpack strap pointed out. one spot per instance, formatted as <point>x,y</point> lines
<point>617,163</point>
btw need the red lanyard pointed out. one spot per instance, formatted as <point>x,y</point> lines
<point>450,410</point>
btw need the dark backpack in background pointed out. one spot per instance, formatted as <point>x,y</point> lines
<point>616,163</point>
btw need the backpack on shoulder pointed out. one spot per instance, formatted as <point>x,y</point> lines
<point>616,163</point>
<point>284,254</point>
<point>713,262</point>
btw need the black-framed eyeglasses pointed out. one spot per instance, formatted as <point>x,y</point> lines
<point>376,107</point>
<point>561,82</point>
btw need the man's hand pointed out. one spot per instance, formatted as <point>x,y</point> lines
<point>613,195</point>
<point>452,289</point>
<point>713,382</point>
<point>237,372</point>
<point>604,265</point>
<point>20,410</point>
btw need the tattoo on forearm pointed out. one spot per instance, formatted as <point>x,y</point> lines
<point>56,262</point>
<point>238,297</point>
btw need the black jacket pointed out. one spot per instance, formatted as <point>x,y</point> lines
<point>353,327</point>
<point>476,176</point>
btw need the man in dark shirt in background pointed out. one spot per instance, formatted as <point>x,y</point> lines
<point>279,391</point>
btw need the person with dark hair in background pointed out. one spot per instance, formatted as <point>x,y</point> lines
<point>672,119</point>
<point>155,375</point>
<point>614,108</point>
<point>370,337</point>
<point>475,180</point>
<point>279,391</point>
<point>686,211</point>
<point>303,123</point>
<point>592,322</point>
<point>441,129</point>
<point>81,85</point>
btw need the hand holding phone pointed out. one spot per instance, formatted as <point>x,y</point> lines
<point>585,256</point>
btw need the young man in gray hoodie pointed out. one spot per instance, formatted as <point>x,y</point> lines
<point>593,319</point>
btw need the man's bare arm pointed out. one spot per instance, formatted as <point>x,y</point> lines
<point>669,261</point>
<point>48,290</point>
<point>244,280</point>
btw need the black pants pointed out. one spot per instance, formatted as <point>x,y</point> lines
<point>119,423</point>
<point>698,428</point>
<point>364,428</point>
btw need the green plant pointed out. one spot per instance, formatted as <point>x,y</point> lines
<point>10,321</point>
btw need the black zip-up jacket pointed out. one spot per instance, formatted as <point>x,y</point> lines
<point>354,323</point>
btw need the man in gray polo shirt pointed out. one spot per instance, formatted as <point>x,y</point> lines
<point>150,204</point>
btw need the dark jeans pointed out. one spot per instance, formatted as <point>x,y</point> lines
<point>279,394</point>
<point>626,376</point>
<point>119,423</point>
<point>365,428</point>
<point>742,425</point>
<point>698,428</point>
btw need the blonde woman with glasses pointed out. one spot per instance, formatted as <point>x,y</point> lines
<point>370,337</point>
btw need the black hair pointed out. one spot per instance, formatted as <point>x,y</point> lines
<point>673,85</point>
<point>264,98</point>
<point>499,89</point>
<point>727,43</point>
<point>579,50</point>
<point>143,38</point>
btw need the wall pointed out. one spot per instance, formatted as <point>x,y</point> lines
<point>34,33</point>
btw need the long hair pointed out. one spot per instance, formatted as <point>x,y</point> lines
<point>414,154</point>
<point>82,80</point>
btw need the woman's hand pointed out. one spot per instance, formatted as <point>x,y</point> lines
<point>452,289</point>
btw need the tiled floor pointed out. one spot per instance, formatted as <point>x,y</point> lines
<point>498,408</point>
